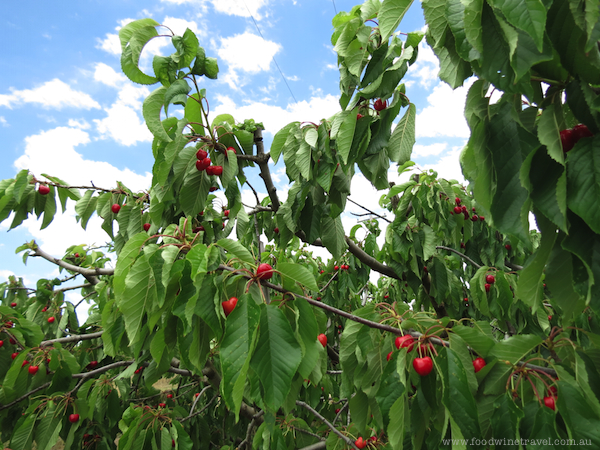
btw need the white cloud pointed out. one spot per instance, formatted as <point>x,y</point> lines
<point>123,123</point>
<point>236,8</point>
<point>107,75</point>
<point>54,152</point>
<point>3,121</point>
<point>448,166</point>
<point>110,44</point>
<point>52,94</point>
<point>444,116</point>
<point>81,123</point>
<point>426,67</point>
<point>247,53</point>
<point>420,151</point>
<point>275,117</point>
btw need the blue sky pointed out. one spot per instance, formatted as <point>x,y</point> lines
<point>66,109</point>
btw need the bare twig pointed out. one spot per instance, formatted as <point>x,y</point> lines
<point>251,426</point>
<point>197,397</point>
<point>72,338</point>
<point>90,274</point>
<point>24,396</point>
<point>368,210</point>
<point>332,427</point>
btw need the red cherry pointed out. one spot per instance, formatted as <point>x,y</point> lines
<point>360,443</point>
<point>379,105</point>
<point>552,390</point>
<point>43,189</point>
<point>264,272</point>
<point>336,268</point>
<point>51,319</point>
<point>44,309</point>
<point>115,208</point>
<point>24,363</point>
<point>13,304</point>
<point>581,131</point>
<point>337,410</point>
<point>457,209</point>
<point>210,170</point>
<point>567,140</point>
<point>226,213</point>
<point>73,418</point>
<point>507,247</point>
<point>212,189</point>
<point>14,355</point>
<point>169,395</point>
<point>389,355</point>
<point>229,305</point>
<point>457,200</point>
<point>405,341</point>
<point>173,443</point>
<point>481,218</point>
<point>487,287</point>
<point>201,154</point>
<point>276,230</point>
<point>549,402</point>
<point>549,318</point>
<point>232,149</point>
<point>147,226</point>
<point>218,170</point>
<point>8,324</point>
<point>462,245</point>
<point>491,279</point>
<point>76,255</point>
<point>473,209</point>
<point>478,364</point>
<point>136,371</point>
<point>465,299</point>
<point>322,339</point>
<point>359,116</point>
<point>202,164</point>
<point>162,405</point>
<point>12,341</point>
<point>386,296</point>
<point>474,218</point>
<point>423,366</point>
<point>33,370</point>
<point>1,344</point>
<point>93,364</point>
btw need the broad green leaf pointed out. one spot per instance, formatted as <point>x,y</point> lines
<point>583,181</point>
<point>582,421</point>
<point>455,13</point>
<point>280,139</point>
<point>458,398</point>
<point>345,136</point>
<point>549,188</point>
<point>527,15</point>
<point>298,274</point>
<point>515,348</point>
<point>333,235</point>
<point>177,94</point>
<point>187,47</point>
<point>22,437</point>
<point>194,192</point>
<point>505,421</point>
<point>85,207</point>
<point>396,427</point>
<point>277,356</point>
<point>403,137</point>
<point>151,110</point>
<point>128,30</point>
<point>237,347</point>
<point>132,71</point>
<point>236,249</point>
<point>390,15</point>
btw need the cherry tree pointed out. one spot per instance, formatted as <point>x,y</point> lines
<point>217,327</point>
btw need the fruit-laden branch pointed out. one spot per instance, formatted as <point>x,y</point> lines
<point>92,187</point>
<point>90,274</point>
<point>462,255</point>
<point>332,427</point>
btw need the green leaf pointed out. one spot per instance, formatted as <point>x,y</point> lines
<point>277,356</point>
<point>140,295</point>
<point>549,188</point>
<point>22,437</point>
<point>132,71</point>
<point>151,111</point>
<point>458,398</point>
<point>237,347</point>
<point>333,235</point>
<point>583,181</point>
<point>194,192</point>
<point>236,249</point>
<point>455,13</point>
<point>303,160</point>
<point>280,139</point>
<point>390,15</point>
<point>527,15</point>
<point>515,348</point>
<point>403,137</point>
<point>128,30</point>
<point>505,421</point>
<point>85,207</point>
<point>187,47</point>
<point>177,94</point>
<point>345,135</point>
<point>297,274</point>
<point>578,415</point>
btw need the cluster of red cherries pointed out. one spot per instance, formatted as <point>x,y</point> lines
<point>203,163</point>
<point>462,209</point>
<point>571,136</point>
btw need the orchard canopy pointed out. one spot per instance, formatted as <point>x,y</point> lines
<point>449,324</point>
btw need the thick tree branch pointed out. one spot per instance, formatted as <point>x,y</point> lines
<point>90,274</point>
<point>368,210</point>
<point>265,173</point>
<point>72,338</point>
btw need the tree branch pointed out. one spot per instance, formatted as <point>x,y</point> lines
<point>346,439</point>
<point>73,338</point>
<point>265,173</point>
<point>90,274</point>
<point>368,210</point>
